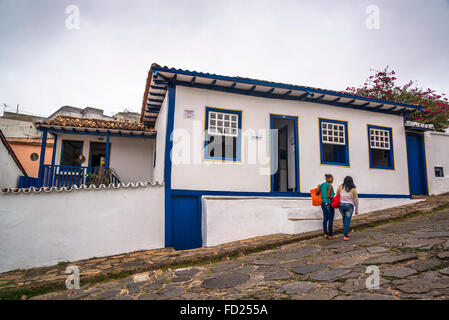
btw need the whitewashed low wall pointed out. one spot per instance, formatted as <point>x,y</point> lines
<point>437,152</point>
<point>39,229</point>
<point>227,219</point>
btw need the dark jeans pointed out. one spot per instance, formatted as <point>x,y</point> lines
<point>328,218</point>
<point>346,210</point>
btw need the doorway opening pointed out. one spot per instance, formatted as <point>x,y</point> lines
<point>284,154</point>
<point>97,154</point>
<point>417,168</point>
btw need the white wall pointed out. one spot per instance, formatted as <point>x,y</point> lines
<point>39,229</point>
<point>12,128</point>
<point>9,171</point>
<point>161,129</point>
<point>132,158</point>
<point>258,216</point>
<point>437,154</point>
<point>241,176</point>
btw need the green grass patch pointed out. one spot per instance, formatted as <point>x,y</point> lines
<point>28,292</point>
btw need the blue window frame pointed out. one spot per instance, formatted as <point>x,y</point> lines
<point>334,142</point>
<point>97,150</point>
<point>223,134</point>
<point>380,144</point>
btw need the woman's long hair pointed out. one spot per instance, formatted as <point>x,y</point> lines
<point>348,184</point>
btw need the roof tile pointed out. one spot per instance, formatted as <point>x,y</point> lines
<point>64,121</point>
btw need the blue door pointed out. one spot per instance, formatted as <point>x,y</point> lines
<point>416,164</point>
<point>186,222</point>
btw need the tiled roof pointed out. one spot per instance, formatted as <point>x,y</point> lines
<point>63,121</point>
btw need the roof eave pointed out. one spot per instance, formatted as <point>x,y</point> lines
<point>87,130</point>
<point>158,70</point>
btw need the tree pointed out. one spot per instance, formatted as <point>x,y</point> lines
<point>382,85</point>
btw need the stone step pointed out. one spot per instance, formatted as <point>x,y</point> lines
<point>302,226</point>
<point>308,213</point>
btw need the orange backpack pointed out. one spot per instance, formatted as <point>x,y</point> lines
<point>316,200</point>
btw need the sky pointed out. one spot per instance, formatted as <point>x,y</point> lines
<point>104,63</point>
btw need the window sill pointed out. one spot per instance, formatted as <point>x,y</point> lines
<point>383,168</point>
<point>335,164</point>
<point>222,160</point>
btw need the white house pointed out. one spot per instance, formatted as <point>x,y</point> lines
<point>83,145</point>
<point>234,137</point>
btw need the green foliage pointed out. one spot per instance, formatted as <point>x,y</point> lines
<point>382,85</point>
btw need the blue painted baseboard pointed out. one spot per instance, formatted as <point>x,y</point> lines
<point>185,192</point>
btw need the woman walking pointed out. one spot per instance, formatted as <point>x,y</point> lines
<point>349,203</point>
<point>327,194</point>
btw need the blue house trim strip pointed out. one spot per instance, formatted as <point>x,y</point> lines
<point>55,142</point>
<point>279,85</point>
<point>286,97</point>
<point>42,155</point>
<point>168,164</point>
<point>185,192</point>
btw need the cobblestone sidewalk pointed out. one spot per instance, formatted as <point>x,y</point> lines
<point>312,268</point>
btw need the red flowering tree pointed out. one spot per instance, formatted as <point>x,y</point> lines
<point>382,85</point>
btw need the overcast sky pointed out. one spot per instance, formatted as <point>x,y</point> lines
<point>104,63</point>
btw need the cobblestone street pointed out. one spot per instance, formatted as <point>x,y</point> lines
<point>413,257</point>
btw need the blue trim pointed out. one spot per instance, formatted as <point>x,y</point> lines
<point>42,155</point>
<point>410,159</point>
<point>156,94</point>
<point>199,193</point>
<point>108,151</point>
<point>391,157</point>
<point>157,106</point>
<point>168,164</point>
<point>279,85</point>
<point>53,156</point>
<point>287,97</point>
<point>345,123</point>
<point>238,140</point>
<point>154,100</point>
<point>158,88</point>
<point>297,178</point>
<point>162,82</point>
